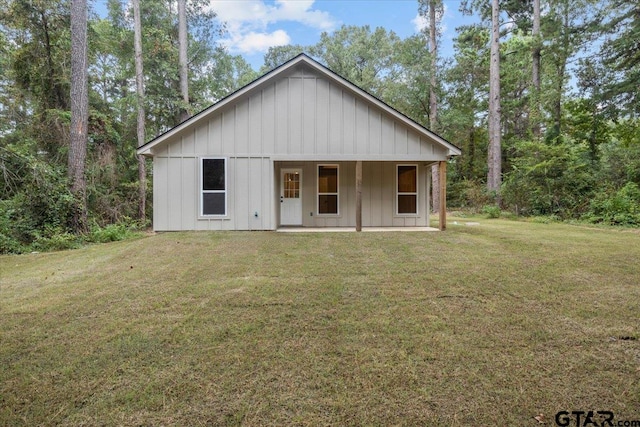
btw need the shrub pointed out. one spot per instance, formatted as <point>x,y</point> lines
<point>491,211</point>
<point>621,207</point>
<point>111,233</point>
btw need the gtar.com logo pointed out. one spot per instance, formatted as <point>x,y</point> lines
<point>591,419</point>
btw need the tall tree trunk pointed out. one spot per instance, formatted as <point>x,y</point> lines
<point>79,114</point>
<point>433,100</point>
<point>494,176</point>
<point>182,47</point>
<point>142,169</point>
<point>535,74</point>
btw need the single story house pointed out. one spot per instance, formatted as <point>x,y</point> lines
<point>299,146</point>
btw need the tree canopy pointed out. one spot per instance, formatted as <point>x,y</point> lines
<point>568,82</point>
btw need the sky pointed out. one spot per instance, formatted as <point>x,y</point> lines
<point>255,25</point>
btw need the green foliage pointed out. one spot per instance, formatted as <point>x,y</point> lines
<point>549,180</point>
<point>467,194</point>
<point>112,232</point>
<point>360,55</point>
<point>491,211</point>
<point>621,207</point>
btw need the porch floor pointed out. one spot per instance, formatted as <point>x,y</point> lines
<point>349,229</point>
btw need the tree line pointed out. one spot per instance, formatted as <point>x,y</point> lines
<point>542,97</point>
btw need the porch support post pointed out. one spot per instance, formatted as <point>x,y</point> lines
<point>442,169</point>
<point>359,195</point>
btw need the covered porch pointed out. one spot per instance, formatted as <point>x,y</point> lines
<point>356,195</point>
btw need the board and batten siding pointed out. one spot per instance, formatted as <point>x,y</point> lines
<point>378,195</point>
<point>176,195</point>
<point>302,116</point>
<point>306,115</point>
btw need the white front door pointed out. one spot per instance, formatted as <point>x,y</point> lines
<point>291,197</point>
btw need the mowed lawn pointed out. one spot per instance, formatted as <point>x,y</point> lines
<point>481,325</point>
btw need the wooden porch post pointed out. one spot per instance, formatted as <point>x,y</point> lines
<point>442,169</point>
<point>359,195</point>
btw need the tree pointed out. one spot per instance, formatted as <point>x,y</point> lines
<point>182,47</point>
<point>278,55</point>
<point>567,31</point>
<point>494,174</point>
<point>622,55</point>
<point>434,7</point>
<point>535,71</point>
<point>361,56</point>
<point>79,113</point>
<point>464,112</point>
<point>142,170</point>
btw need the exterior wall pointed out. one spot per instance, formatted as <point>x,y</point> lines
<point>299,117</point>
<point>378,195</point>
<point>176,195</point>
<point>305,116</point>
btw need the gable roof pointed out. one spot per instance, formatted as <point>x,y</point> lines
<point>322,70</point>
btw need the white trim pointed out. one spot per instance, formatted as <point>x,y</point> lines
<point>297,171</point>
<point>411,193</point>
<point>337,193</point>
<point>201,214</point>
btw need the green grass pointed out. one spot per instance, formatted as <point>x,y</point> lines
<point>481,325</point>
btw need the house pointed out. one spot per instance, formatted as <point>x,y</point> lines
<point>299,146</point>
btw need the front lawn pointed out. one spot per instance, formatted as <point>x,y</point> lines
<point>481,325</point>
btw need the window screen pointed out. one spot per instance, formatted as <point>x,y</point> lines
<point>214,190</point>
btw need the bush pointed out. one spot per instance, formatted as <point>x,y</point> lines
<point>55,239</point>
<point>111,233</point>
<point>468,194</point>
<point>491,211</point>
<point>621,207</point>
<point>549,180</point>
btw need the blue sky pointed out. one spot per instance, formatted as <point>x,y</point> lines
<point>255,25</point>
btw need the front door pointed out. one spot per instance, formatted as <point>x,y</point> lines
<point>291,197</point>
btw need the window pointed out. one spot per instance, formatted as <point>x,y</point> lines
<point>214,186</point>
<point>407,195</point>
<point>327,189</point>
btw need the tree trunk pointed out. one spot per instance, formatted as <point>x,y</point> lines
<point>79,114</point>
<point>494,176</point>
<point>535,74</point>
<point>142,169</point>
<point>433,100</point>
<point>182,54</point>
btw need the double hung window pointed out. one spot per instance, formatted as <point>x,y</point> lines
<point>213,181</point>
<point>328,185</point>
<point>407,190</point>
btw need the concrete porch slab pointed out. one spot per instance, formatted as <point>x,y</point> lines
<point>350,229</point>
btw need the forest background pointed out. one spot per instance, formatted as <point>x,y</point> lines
<point>569,137</point>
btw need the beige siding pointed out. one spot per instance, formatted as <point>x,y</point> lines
<point>378,195</point>
<point>301,119</point>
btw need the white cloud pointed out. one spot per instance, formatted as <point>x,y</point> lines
<point>248,22</point>
<point>253,42</point>
<point>421,23</point>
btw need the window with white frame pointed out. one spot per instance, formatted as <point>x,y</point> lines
<point>328,189</point>
<point>213,182</point>
<point>407,190</point>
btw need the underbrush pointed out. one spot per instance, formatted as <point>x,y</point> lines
<point>56,238</point>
